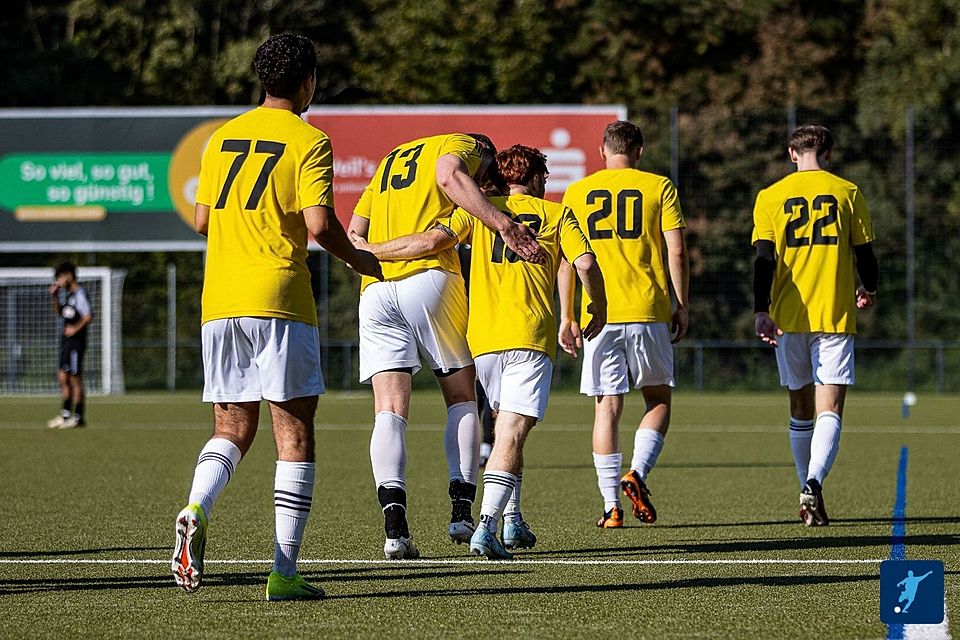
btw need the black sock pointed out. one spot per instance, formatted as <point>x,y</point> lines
<point>79,410</point>
<point>68,406</point>
<point>462,495</point>
<point>393,501</point>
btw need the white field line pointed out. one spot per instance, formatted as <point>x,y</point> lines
<point>929,631</point>
<point>463,561</point>
<point>701,428</point>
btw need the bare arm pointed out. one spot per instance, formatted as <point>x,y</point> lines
<point>54,298</point>
<point>589,273</point>
<point>409,247</point>
<point>678,262</point>
<point>462,189</point>
<point>323,225</point>
<point>569,335</point>
<point>201,218</point>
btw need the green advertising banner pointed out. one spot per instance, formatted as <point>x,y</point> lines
<point>115,182</point>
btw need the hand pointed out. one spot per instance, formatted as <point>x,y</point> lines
<point>359,241</point>
<point>523,241</point>
<point>865,299</point>
<point>598,318</point>
<point>366,264</point>
<point>678,327</point>
<point>569,337</point>
<point>54,288</point>
<point>767,330</point>
<point>70,330</point>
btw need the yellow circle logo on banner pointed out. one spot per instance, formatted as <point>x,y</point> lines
<point>185,167</point>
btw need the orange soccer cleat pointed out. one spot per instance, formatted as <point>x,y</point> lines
<point>612,519</point>
<point>635,489</point>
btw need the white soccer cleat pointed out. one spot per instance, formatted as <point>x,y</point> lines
<point>400,549</point>
<point>191,532</point>
<point>462,531</point>
<point>70,423</point>
<point>56,422</point>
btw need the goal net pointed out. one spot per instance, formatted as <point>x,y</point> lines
<point>30,331</point>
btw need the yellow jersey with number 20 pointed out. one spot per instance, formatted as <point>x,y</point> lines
<point>404,198</point>
<point>814,219</point>
<point>511,301</point>
<point>624,213</point>
<point>259,171</point>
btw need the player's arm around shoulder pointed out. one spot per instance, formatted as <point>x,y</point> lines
<point>323,225</point>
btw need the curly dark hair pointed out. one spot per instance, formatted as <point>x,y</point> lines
<point>283,61</point>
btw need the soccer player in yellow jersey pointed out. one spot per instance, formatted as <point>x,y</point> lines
<point>511,326</point>
<point>420,310</point>
<point>266,180</point>
<point>629,216</point>
<point>807,230</point>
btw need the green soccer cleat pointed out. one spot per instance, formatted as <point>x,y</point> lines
<point>187,565</point>
<point>292,588</point>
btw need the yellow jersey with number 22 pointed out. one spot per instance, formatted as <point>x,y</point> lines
<point>814,219</point>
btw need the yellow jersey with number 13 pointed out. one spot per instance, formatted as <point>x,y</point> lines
<point>259,171</point>
<point>814,219</point>
<point>404,198</point>
<point>511,301</point>
<point>624,213</point>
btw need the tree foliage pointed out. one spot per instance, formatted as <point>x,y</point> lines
<point>736,70</point>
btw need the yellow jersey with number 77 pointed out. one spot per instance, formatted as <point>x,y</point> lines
<point>259,172</point>
<point>814,220</point>
<point>403,198</point>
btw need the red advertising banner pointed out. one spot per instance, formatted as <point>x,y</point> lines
<point>568,135</point>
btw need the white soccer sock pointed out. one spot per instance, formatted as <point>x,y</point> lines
<point>512,510</point>
<point>497,488</point>
<point>388,451</point>
<point>215,466</point>
<point>608,478</point>
<point>647,445</point>
<point>292,499</point>
<point>801,432</point>
<point>461,442</point>
<point>824,446</point>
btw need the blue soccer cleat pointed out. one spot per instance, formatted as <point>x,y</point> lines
<point>483,543</point>
<point>517,535</point>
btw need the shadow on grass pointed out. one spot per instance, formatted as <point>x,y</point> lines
<point>235,579</point>
<point>74,552</point>
<point>672,465</point>
<point>739,546</point>
<point>691,583</point>
<point>833,521</point>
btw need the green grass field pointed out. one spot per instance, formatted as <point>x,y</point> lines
<point>77,503</point>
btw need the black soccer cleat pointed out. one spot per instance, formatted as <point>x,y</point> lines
<point>813,513</point>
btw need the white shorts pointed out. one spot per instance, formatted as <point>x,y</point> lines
<point>821,358</point>
<point>517,380</point>
<point>253,359</point>
<point>637,353</point>
<point>423,315</point>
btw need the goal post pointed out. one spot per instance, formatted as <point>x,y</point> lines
<point>30,331</point>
